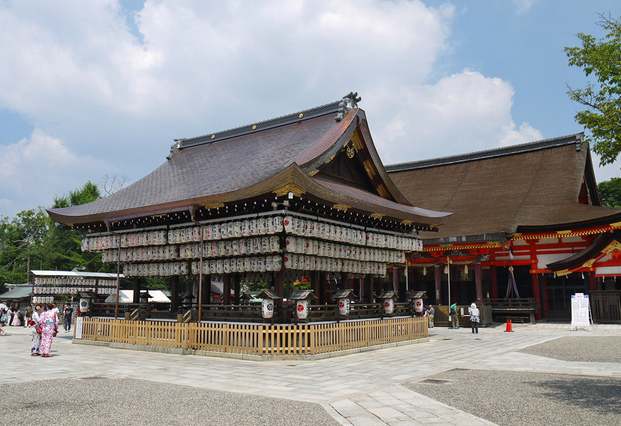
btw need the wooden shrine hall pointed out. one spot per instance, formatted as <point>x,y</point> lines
<point>303,196</point>
<point>527,224</point>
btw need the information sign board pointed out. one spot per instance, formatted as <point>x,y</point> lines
<point>580,310</point>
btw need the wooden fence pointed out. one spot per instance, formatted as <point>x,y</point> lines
<point>256,339</point>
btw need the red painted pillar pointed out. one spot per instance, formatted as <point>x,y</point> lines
<point>592,281</point>
<point>493,281</point>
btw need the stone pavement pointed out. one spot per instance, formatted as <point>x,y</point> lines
<point>365,388</point>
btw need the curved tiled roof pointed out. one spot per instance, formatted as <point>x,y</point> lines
<point>243,163</point>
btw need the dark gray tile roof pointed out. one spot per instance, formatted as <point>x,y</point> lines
<point>243,163</point>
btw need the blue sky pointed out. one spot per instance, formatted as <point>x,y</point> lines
<point>99,90</point>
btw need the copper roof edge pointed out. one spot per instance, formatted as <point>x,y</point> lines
<point>575,138</point>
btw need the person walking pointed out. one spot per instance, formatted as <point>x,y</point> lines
<point>28,316</point>
<point>36,337</point>
<point>9,315</point>
<point>3,320</point>
<point>454,316</point>
<point>431,313</point>
<point>49,325</point>
<point>67,317</point>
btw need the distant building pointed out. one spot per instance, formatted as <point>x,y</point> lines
<point>533,208</point>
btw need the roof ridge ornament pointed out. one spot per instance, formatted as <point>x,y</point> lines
<point>349,101</point>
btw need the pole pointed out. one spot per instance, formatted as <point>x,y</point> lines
<point>448,266</point>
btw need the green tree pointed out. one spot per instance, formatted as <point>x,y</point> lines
<point>89,192</point>
<point>600,59</point>
<point>610,192</point>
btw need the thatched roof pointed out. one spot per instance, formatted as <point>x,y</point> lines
<point>547,184</point>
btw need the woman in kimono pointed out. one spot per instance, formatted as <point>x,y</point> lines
<point>16,322</point>
<point>49,324</point>
<point>36,337</point>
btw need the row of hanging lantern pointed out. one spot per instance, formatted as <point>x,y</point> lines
<point>132,239</point>
<point>255,227</point>
<point>63,290</point>
<point>307,246</point>
<point>343,234</point>
<point>144,254</point>
<point>239,265</point>
<point>328,264</point>
<point>69,281</point>
<point>74,282</point>
<point>167,269</point>
<point>257,245</point>
<point>42,299</point>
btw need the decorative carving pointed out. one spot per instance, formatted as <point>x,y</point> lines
<point>350,150</point>
<point>209,206</point>
<point>348,102</point>
<point>612,247</point>
<point>377,215</point>
<point>341,207</point>
<point>296,190</point>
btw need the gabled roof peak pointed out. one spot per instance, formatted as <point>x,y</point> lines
<point>576,139</point>
<point>340,108</point>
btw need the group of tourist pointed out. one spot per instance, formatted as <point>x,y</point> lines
<point>43,320</point>
<point>474,314</point>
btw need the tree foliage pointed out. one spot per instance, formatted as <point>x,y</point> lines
<point>31,240</point>
<point>600,59</point>
<point>610,192</point>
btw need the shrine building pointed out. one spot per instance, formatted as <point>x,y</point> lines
<point>303,197</point>
<point>527,223</point>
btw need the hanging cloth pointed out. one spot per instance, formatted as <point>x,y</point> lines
<point>512,290</point>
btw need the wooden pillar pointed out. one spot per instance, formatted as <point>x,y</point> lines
<point>537,294</point>
<point>362,293</point>
<point>226,289</point>
<point>136,287</point>
<point>413,278</point>
<point>174,293</point>
<point>236,287</point>
<point>592,281</point>
<point>438,278</point>
<point>546,302</point>
<point>279,283</point>
<point>478,280</point>
<point>316,286</point>
<point>493,281</point>
<point>207,289</point>
<point>395,279</point>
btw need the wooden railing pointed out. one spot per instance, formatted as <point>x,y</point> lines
<point>252,313</point>
<point>256,339</point>
<point>606,306</point>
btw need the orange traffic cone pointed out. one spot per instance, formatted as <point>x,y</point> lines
<point>509,326</point>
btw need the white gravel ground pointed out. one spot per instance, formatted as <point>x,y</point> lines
<point>105,401</point>
<point>523,398</point>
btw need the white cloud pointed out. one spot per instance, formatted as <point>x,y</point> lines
<point>39,168</point>
<point>461,113</point>
<point>76,71</point>
<point>523,6</point>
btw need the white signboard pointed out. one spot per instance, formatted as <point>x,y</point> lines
<point>78,328</point>
<point>580,310</point>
